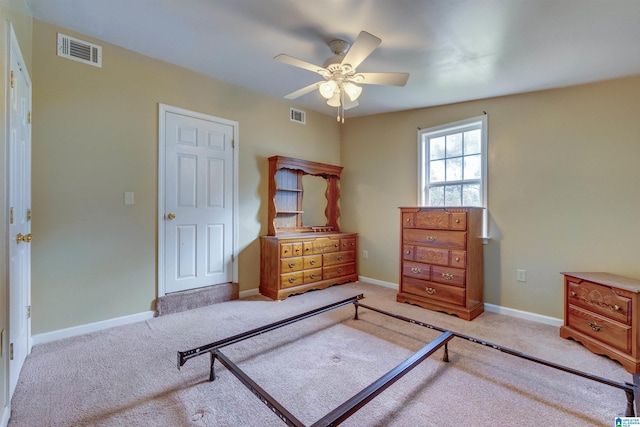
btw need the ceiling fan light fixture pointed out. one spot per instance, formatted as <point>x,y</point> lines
<point>352,91</point>
<point>334,101</point>
<point>327,88</point>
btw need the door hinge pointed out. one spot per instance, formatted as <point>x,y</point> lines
<point>11,351</point>
<point>10,215</point>
<point>29,117</point>
<point>28,214</point>
<point>233,143</point>
<point>13,80</point>
<point>28,312</point>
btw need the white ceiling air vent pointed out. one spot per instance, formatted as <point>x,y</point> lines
<point>79,50</point>
<point>297,116</point>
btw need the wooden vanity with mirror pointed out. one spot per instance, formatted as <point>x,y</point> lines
<point>295,257</point>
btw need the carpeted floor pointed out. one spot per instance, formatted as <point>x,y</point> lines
<point>127,376</point>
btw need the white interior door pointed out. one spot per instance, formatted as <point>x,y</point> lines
<point>19,213</point>
<point>198,211</point>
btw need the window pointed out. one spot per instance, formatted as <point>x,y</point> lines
<point>452,165</point>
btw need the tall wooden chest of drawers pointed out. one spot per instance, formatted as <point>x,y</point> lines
<point>441,260</point>
<point>601,311</point>
<point>300,262</point>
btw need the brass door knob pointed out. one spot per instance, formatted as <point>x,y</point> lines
<point>171,215</point>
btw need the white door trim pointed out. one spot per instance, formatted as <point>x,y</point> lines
<point>162,110</point>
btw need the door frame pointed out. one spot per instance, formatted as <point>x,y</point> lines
<point>162,110</point>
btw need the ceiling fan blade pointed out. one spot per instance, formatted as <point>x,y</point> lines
<point>362,47</point>
<point>298,93</point>
<point>300,63</point>
<point>349,104</point>
<point>391,79</point>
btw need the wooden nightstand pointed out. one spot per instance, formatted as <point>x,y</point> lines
<point>601,312</point>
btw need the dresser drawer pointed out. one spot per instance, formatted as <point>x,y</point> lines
<point>291,279</point>
<point>436,291</point>
<point>600,299</point>
<point>324,244</point>
<point>437,220</point>
<point>348,244</point>
<point>414,269</point>
<point>338,258</point>
<point>288,265</point>
<point>436,238</point>
<point>448,276</point>
<point>432,255</point>
<point>290,249</point>
<point>312,261</point>
<point>408,252</point>
<point>458,259</point>
<point>600,328</point>
<point>310,276</point>
<point>338,270</point>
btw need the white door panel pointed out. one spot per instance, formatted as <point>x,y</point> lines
<point>19,187</point>
<point>198,165</point>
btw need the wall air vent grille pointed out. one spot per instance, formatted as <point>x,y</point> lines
<point>298,116</point>
<point>79,50</point>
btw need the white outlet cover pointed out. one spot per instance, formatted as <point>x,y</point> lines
<point>128,198</point>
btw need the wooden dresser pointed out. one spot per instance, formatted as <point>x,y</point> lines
<point>297,263</point>
<point>295,257</point>
<point>441,260</point>
<point>601,311</point>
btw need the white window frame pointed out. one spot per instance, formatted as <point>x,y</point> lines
<point>424,135</point>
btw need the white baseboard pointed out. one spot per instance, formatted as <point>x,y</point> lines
<point>91,327</point>
<point>378,282</point>
<point>4,422</point>
<point>534,317</point>
<point>249,293</point>
<point>491,308</point>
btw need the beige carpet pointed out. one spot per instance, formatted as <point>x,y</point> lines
<point>127,376</point>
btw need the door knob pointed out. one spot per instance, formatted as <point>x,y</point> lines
<point>171,215</point>
<point>24,238</point>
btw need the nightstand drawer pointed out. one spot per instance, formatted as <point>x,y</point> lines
<point>599,299</point>
<point>602,329</point>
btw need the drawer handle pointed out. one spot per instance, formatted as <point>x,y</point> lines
<point>573,294</point>
<point>408,252</point>
<point>408,220</point>
<point>617,307</point>
<point>430,291</point>
<point>431,238</point>
<point>416,270</point>
<point>457,221</point>
<point>340,270</point>
<point>307,249</point>
<point>297,250</point>
<point>594,326</point>
<point>292,264</point>
<point>312,262</point>
<point>457,259</point>
<point>312,276</point>
<point>286,251</point>
<point>339,257</point>
<point>447,276</point>
<point>292,279</point>
<point>337,245</point>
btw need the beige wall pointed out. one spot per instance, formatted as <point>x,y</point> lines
<point>564,187</point>
<point>95,136</point>
<point>16,14</point>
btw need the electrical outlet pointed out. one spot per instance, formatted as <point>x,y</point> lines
<point>365,254</point>
<point>521,275</point>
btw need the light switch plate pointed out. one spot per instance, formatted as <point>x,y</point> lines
<point>128,197</point>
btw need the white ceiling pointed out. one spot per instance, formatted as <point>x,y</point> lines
<point>455,50</point>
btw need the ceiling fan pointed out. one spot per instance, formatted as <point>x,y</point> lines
<point>340,75</point>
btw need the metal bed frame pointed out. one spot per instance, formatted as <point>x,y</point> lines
<point>349,407</point>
